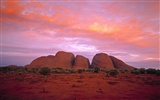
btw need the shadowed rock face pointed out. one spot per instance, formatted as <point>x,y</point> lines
<point>102,61</point>
<point>81,62</point>
<point>64,59</point>
<point>119,64</point>
<point>44,61</point>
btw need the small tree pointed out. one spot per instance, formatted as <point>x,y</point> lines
<point>45,71</point>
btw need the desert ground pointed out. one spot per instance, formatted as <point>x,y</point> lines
<point>78,86</point>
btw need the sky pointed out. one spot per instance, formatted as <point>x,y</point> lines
<point>126,29</point>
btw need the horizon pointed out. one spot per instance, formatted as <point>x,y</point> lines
<point>128,30</point>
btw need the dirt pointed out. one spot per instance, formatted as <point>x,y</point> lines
<point>79,86</point>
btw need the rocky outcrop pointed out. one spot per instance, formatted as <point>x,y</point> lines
<point>102,61</point>
<point>67,60</point>
<point>119,64</point>
<point>61,59</point>
<point>81,62</point>
<point>44,61</point>
<point>64,59</point>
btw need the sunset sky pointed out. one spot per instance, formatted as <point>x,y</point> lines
<point>126,29</point>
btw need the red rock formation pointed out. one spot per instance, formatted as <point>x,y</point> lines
<point>119,64</point>
<point>102,61</point>
<point>81,62</point>
<point>44,61</point>
<point>64,59</point>
<point>67,60</point>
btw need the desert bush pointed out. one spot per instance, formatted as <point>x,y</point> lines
<point>59,70</point>
<point>112,83</point>
<point>142,70</point>
<point>67,71</point>
<point>80,70</point>
<point>107,71</point>
<point>158,72</point>
<point>34,70</point>
<point>122,71</point>
<point>72,71</point>
<point>135,71</point>
<point>151,71</point>
<point>45,71</point>
<point>89,70</point>
<point>10,68</point>
<point>126,70</point>
<point>102,70</point>
<point>113,72</point>
<point>3,69</point>
<point>96,70</point>
<point>31,70</point>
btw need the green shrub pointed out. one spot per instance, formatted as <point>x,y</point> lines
<point>80,70</point>
<point>122,71</point>
<point>107,71</point>
<point>142,70</point>
<point>59,70</point>
<point>135,71</point>
<point>158,72</point>
<point>126,70</point>
<point>34,70</point>
<point>113,72</point>
<point>89,70</point>
<point>151,71</point>
<point>96,70</point>
<point>72,71</point>
<point>45,71</point>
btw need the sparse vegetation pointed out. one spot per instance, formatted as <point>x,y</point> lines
<point>64,80</point>
<point>113,72</point>
<point>58,70</point>
<point>151,71</point>
<point>142,70</point>
<point>135,71</point>
<point>80,70</point>
<point>112,83</point>
<point>158,72</point>
<point>96,70</point>
<point>45,71</point>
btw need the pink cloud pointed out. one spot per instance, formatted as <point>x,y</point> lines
<point>118,28</point>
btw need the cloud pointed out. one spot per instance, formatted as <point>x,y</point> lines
<point>127,30</point>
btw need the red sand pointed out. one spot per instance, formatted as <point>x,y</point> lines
<point>84,86</point>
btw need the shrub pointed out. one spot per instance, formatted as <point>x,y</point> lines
<point>72,71</point>
<point>126,70</point>
<point>151,71</point>
<point>158,72</point>
<point>122,71</point>
<point>142,70</point>
<point>80,70</point>
<point>59,70</point>
<point>89,70</point>
<point>135,71</point>
<point>113,72</point>
<point>33,70</point>
<point>96,69</point>
<point>45,71</point>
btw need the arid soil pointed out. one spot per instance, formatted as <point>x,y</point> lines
<point>79,86</point>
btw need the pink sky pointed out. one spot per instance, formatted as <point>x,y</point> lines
<point>126,30</point>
